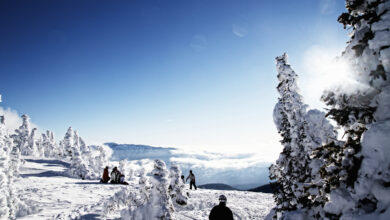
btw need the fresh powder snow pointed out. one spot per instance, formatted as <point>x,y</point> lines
<point>45,185</point>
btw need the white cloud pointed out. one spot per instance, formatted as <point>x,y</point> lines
<point>203,159</point>
<point>12,119</point>
<point>240,30</point>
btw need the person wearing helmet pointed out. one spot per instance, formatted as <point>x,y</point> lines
<point>221,212</point>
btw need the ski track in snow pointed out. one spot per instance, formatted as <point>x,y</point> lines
<point>44,185</point>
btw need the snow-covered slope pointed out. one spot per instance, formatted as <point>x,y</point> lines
<point>45,185</point>
<point>243,171</point>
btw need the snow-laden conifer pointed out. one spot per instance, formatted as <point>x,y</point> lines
<point>291,170</point>
<point>159,204</point>
<point>22,136</point>
<point>68,143</point>
<point>10,158</point>
<point>5,148</point>
<point>34,144</point>
<point>78,168</point>
<point>360,173</point>
<point>49,145</point>
<point>176,187</point>
<point>297,181</point>
<point>125,169</point>
<point>97,158</point>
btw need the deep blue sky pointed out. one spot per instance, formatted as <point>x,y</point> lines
<point>179,73</point>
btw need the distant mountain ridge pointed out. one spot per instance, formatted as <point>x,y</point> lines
<point>139,152</point>
<point>117,146</point>
<point>264,189</point>
<point>221,186</point>
<point>217,186</point>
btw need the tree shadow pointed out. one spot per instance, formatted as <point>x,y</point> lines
<point>43,174</point>
<point>89,217</point>
<point>50,162</point>
<point>88,183</point>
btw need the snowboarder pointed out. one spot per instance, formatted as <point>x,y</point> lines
<point>221,212</point>
<point>191,176</point>
<point>105,178</point>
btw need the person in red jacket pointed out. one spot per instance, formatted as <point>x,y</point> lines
<point>105,178</point>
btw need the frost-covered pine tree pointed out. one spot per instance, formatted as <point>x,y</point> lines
<point>176,187</point>
<point>159,204</point>
<point>68,143</point>
<point>291,170</point>
<point>125,169</point>
<point>360,176</point>
<point>10,159</point>
<point>319,132</point>
<point>49,145</point>
<point>97,158</point>
<point>78,167</point>
<point>22,136</point>
<point>76,142</point>
<point>33,144</point>
<point>296,180</point>
<point>5,148</point>
<point>84,149</point>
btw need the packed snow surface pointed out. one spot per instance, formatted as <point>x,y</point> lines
<point>45,185</point>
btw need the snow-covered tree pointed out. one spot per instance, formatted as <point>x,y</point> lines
<point>5,148</point>
<point>97,158</point>
<point>87,162</point>
<point>22,136</point>
<point>291,170</point>
<point>176,187</point>
<point>159,204</point>
<point>296,180</point>
<point>49,145</point>
<point>34,144</point>
<point>68,143</point>
<point>10,159</point>
<point>78,167</point>
<point>360,174</point>
<point>125,169</point>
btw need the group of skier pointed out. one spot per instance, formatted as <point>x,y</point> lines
<point>218,212</point>
<point>116,177</point>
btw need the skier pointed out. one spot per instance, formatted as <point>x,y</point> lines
<point>191,176</point>
<point>105,178</point>
<point>182,178</point>
<point>221,212</point>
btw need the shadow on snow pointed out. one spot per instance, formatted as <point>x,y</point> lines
<point>50,162</point>
<point>43,174</point>
<point>88,183</point>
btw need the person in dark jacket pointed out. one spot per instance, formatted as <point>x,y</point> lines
<point>105,178</point>
<point>115,175</point>
<point>191,176</point>
<point>221,212</point>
